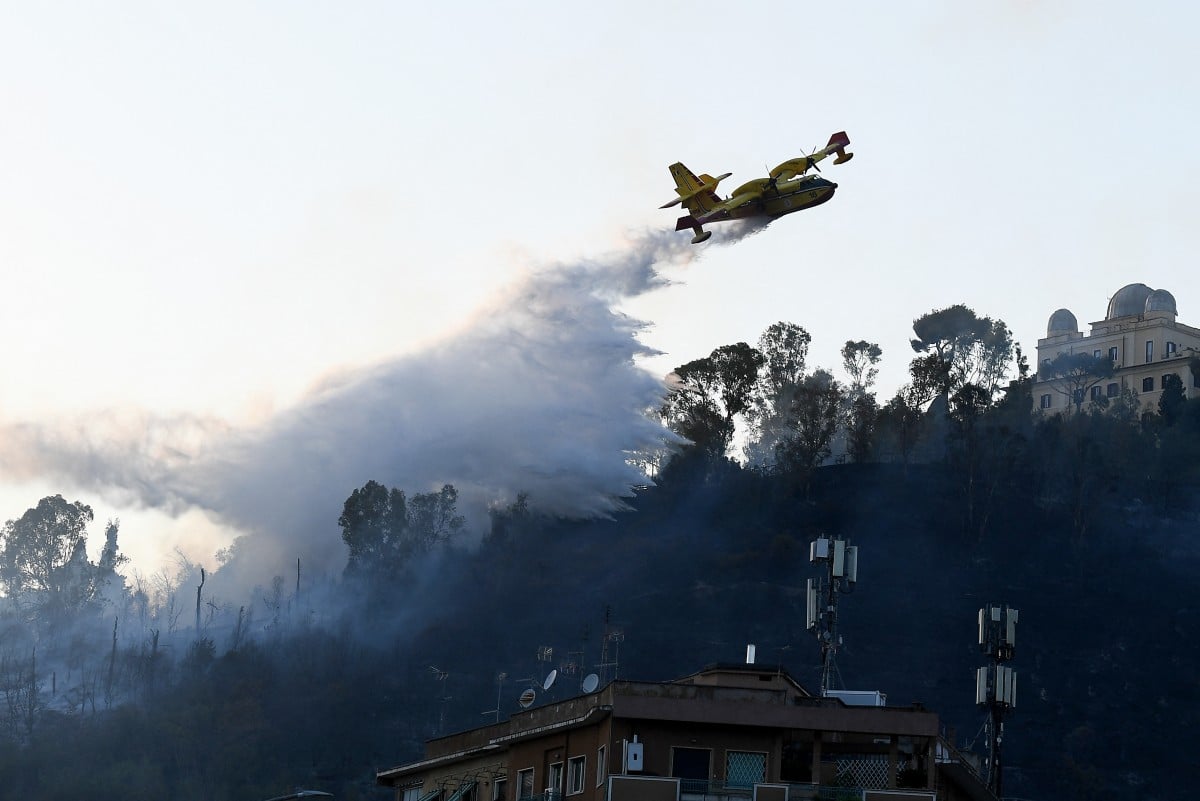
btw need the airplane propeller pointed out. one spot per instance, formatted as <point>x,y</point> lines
<point>810,162</point>
<point>772,181</point>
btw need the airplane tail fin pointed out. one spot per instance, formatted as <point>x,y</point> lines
<point>697,195</point>
<point>837,144</point>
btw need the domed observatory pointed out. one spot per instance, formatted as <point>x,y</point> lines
<point>1161,303</point>
<point>1063,325</point>
<point>1130,301</point>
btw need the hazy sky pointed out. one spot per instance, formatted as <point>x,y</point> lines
<point>208,210</point>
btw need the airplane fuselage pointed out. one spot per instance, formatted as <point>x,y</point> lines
<point>788,197</point>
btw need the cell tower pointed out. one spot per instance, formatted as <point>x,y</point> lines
<point>840,561</point>
<point>996,684</point>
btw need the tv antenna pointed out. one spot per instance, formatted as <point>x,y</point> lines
<point>996,684</point>
<point>500,679</point>
<point>616,636</point>
<point>840,561</point>
<point>440,676</point>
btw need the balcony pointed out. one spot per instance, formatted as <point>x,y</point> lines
<point>695,790</point>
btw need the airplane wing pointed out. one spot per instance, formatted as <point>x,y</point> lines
<point>798,166</point>
<point>748,192</point>
<point>688,186</point>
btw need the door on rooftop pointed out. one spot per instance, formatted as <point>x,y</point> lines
<point>693,767</point>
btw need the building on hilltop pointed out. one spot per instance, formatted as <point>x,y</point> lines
<point>1141,337</point>
<point>726,733</point>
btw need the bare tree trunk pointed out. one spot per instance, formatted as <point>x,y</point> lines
<point>198,589</point>
<point>112,666</point>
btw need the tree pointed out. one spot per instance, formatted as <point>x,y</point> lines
<point>965,348</point>
<point>710,393</point>
<point>862,417</point>
<point>384,530</point>
<point>373,523</point>
<point>696,417</point>
<point>727,374</point>
<point>813,420</point>
<point>1172,399</point>
<point>433,518</point>
<point>859,360</point>
<point>1073,374</point>
<point>784,347</point>
<point>900,422</point>
<point>44,567</point>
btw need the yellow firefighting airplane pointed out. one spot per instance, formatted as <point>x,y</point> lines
<point>789,187</point>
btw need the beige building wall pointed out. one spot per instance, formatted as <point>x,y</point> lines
<point>1140,333</point>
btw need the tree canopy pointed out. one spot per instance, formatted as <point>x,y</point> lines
<point>962,348</point>
<point>385,530</point>
<point>44,568</point>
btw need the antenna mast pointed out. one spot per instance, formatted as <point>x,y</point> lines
<point>840,561</point>
<point>615,635</point>
<point>996,684</point>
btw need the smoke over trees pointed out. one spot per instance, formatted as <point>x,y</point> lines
<point>176,685</point>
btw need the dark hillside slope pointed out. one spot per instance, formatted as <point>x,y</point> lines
<point>1106,657</point>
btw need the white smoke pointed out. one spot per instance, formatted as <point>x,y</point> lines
<point>538,393</point>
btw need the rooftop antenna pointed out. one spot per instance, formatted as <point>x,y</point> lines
<point>575,659</point>
<point>440,676</point>
<point>996,684</point>
<point>840,562</point>
<point>500,679</point>
<point>615,635</point>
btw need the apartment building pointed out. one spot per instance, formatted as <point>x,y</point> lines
<point>726,733</point>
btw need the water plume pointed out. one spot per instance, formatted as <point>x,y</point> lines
<point>537,392</point>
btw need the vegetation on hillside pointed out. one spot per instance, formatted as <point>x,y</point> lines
<point>148,687</point>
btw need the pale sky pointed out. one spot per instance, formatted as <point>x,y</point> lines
<point>208,209</point>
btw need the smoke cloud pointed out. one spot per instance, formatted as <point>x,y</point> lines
<point>539,393</point>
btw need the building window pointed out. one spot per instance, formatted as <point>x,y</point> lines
<point>1149,351</point>
<point>1096,353</point>
<point>1045,401</point>
<point>1097,392</point>
<point>1147,385</point>
<point>1114,390</point>
<point>575,770</point>
<point>525,783</point>
<point>411,794</point>
<point>1164,379</point>
<point>556,773</point>
<point>601,767</point>
<point>1112,354</point>
<point>1170,349</point>
<point>499,789</point>
<point>745,768</point>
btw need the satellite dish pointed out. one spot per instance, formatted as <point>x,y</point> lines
<point>550,678</point>
<point>527,698</point>
<point>590,682</point>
